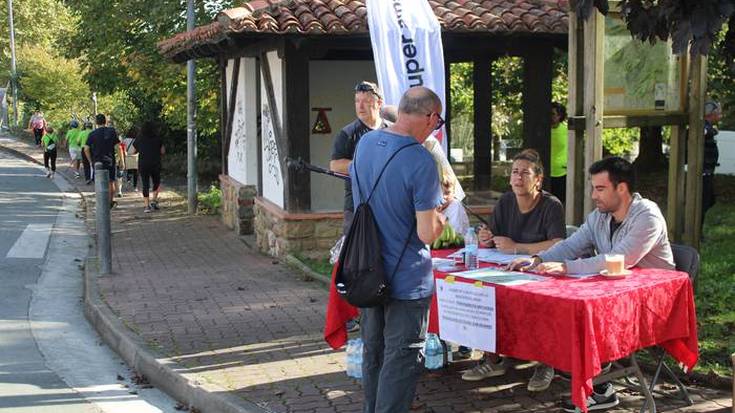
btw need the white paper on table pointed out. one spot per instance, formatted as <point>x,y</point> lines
<point>467,314</point>
<point>438,262</point>
<point>491,255</point>
<point>498,276</point>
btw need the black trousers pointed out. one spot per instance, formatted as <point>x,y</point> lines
<point>559,188</point>
<point>148,174</point>
<point>708,193</point>
<point>87,168</point>
<point>50,157</point>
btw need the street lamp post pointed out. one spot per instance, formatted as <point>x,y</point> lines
<point>191,136</point>
<point>13,72</point>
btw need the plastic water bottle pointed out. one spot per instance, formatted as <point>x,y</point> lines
<point>350,358</point>
<point>358,359</point>
<point>433,357</point>
<point>354,358</point>
<point>470,249</point>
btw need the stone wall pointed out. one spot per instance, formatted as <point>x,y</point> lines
<point>279,233</point>
<point>237,205</point>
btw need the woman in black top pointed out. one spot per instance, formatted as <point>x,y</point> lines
<point>526,220</point>
<point>150,147</point>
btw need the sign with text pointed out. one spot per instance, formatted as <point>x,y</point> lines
<point>466,313</point>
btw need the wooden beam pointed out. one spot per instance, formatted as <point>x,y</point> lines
<point>270,96</point>
<point>296,117</point>
<point>574,205</point>
<point>635,121</point>
<point>448,106</point>
<point>537,78</point>
<point>232,103</point>
<point>594,28</point>
<point>675,195</point>
<point>223,110</point>
<point>482,95</point>
<point>695,153</point>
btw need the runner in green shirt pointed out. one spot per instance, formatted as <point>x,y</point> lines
<point>75,149</point>
<point>49,142</point>
<point>559,151</point>
<point>82,140</point>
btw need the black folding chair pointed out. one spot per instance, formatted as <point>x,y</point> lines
<point>686,259</point>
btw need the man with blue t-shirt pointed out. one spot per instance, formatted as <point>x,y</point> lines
<point>406,203</point>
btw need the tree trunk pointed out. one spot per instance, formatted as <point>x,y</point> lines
<point>650,156</point>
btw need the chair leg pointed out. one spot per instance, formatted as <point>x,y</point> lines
<point>684,394</point>
<point>643,386</point>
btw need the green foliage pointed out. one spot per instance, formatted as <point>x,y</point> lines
<point>211,200</point>
<point>715,295</point>
<point>50,83</point>
<point>619,141</point>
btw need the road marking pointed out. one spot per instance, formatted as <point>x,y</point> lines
<point>32,242</point>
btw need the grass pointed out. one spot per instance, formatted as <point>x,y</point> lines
<point>318,265</point>
<point>715,295</point>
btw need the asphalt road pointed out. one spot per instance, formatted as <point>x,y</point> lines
<point>51,360</point>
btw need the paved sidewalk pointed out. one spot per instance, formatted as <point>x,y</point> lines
<point>195,292</point>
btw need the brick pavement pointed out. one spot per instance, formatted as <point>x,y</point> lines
<point>197,293</point>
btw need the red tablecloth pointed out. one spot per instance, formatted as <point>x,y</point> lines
<point>575,325</point>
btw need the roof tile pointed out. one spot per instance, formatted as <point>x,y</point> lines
<point>340,17</point>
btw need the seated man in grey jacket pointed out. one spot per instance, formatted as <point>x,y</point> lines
<point>622,223</point>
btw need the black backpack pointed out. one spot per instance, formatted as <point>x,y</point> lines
<point>360,277</point>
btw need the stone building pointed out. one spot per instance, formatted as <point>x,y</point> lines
<point>283,63</point>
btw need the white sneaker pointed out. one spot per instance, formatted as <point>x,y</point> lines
<point>484,370</point>
<point>542,377</point>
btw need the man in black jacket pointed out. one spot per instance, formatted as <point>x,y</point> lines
<point>712,115</point>
<point>368,100</point>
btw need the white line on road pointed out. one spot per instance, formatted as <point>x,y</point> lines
<point>32,242</point>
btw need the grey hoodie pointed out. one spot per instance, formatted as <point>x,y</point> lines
<point>642,238</point>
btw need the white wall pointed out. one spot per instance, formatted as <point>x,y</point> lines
<point>271,168</point>
<point>726,146</point>
<point>332,85</point>
<point>243,154</point>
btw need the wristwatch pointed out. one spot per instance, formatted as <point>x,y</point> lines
<point>536,260</point>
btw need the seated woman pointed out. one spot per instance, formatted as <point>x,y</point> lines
<point>526,220</point>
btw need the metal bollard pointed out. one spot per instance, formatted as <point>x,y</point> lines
<point>102,209</point>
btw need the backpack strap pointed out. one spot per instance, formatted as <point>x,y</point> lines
<point>372,191</point>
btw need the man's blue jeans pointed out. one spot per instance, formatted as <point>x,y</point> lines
<point>392,335</point>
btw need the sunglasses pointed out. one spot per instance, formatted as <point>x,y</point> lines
<point>440,123</point>
<point>367,87</point>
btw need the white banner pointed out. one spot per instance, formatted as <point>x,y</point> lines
<point>467,314</point>
<point>407,49</point>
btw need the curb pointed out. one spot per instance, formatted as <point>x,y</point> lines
<point>161,372</point>
<point>308,272</point>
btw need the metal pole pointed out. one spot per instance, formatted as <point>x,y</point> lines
<point>191,136</point>
<point>94,105</point>
<point>102,210</point>
<point>13,72</point>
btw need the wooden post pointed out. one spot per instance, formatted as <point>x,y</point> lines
<point>675,197</point>
<point>574,205</point>
<point>537,78</point>
<point>481,77</point>
<point>232,102</point>
<point>695,153</point>
<point>594,30</point>
<point>296,125</point>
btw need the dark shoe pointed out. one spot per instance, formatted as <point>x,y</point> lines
<point>154,205</point>
<point>113,204</point>
<point>353,326</point>
<point>89,181</point>
<point>598,400</point>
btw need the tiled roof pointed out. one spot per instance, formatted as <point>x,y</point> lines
<point>344,17</point>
